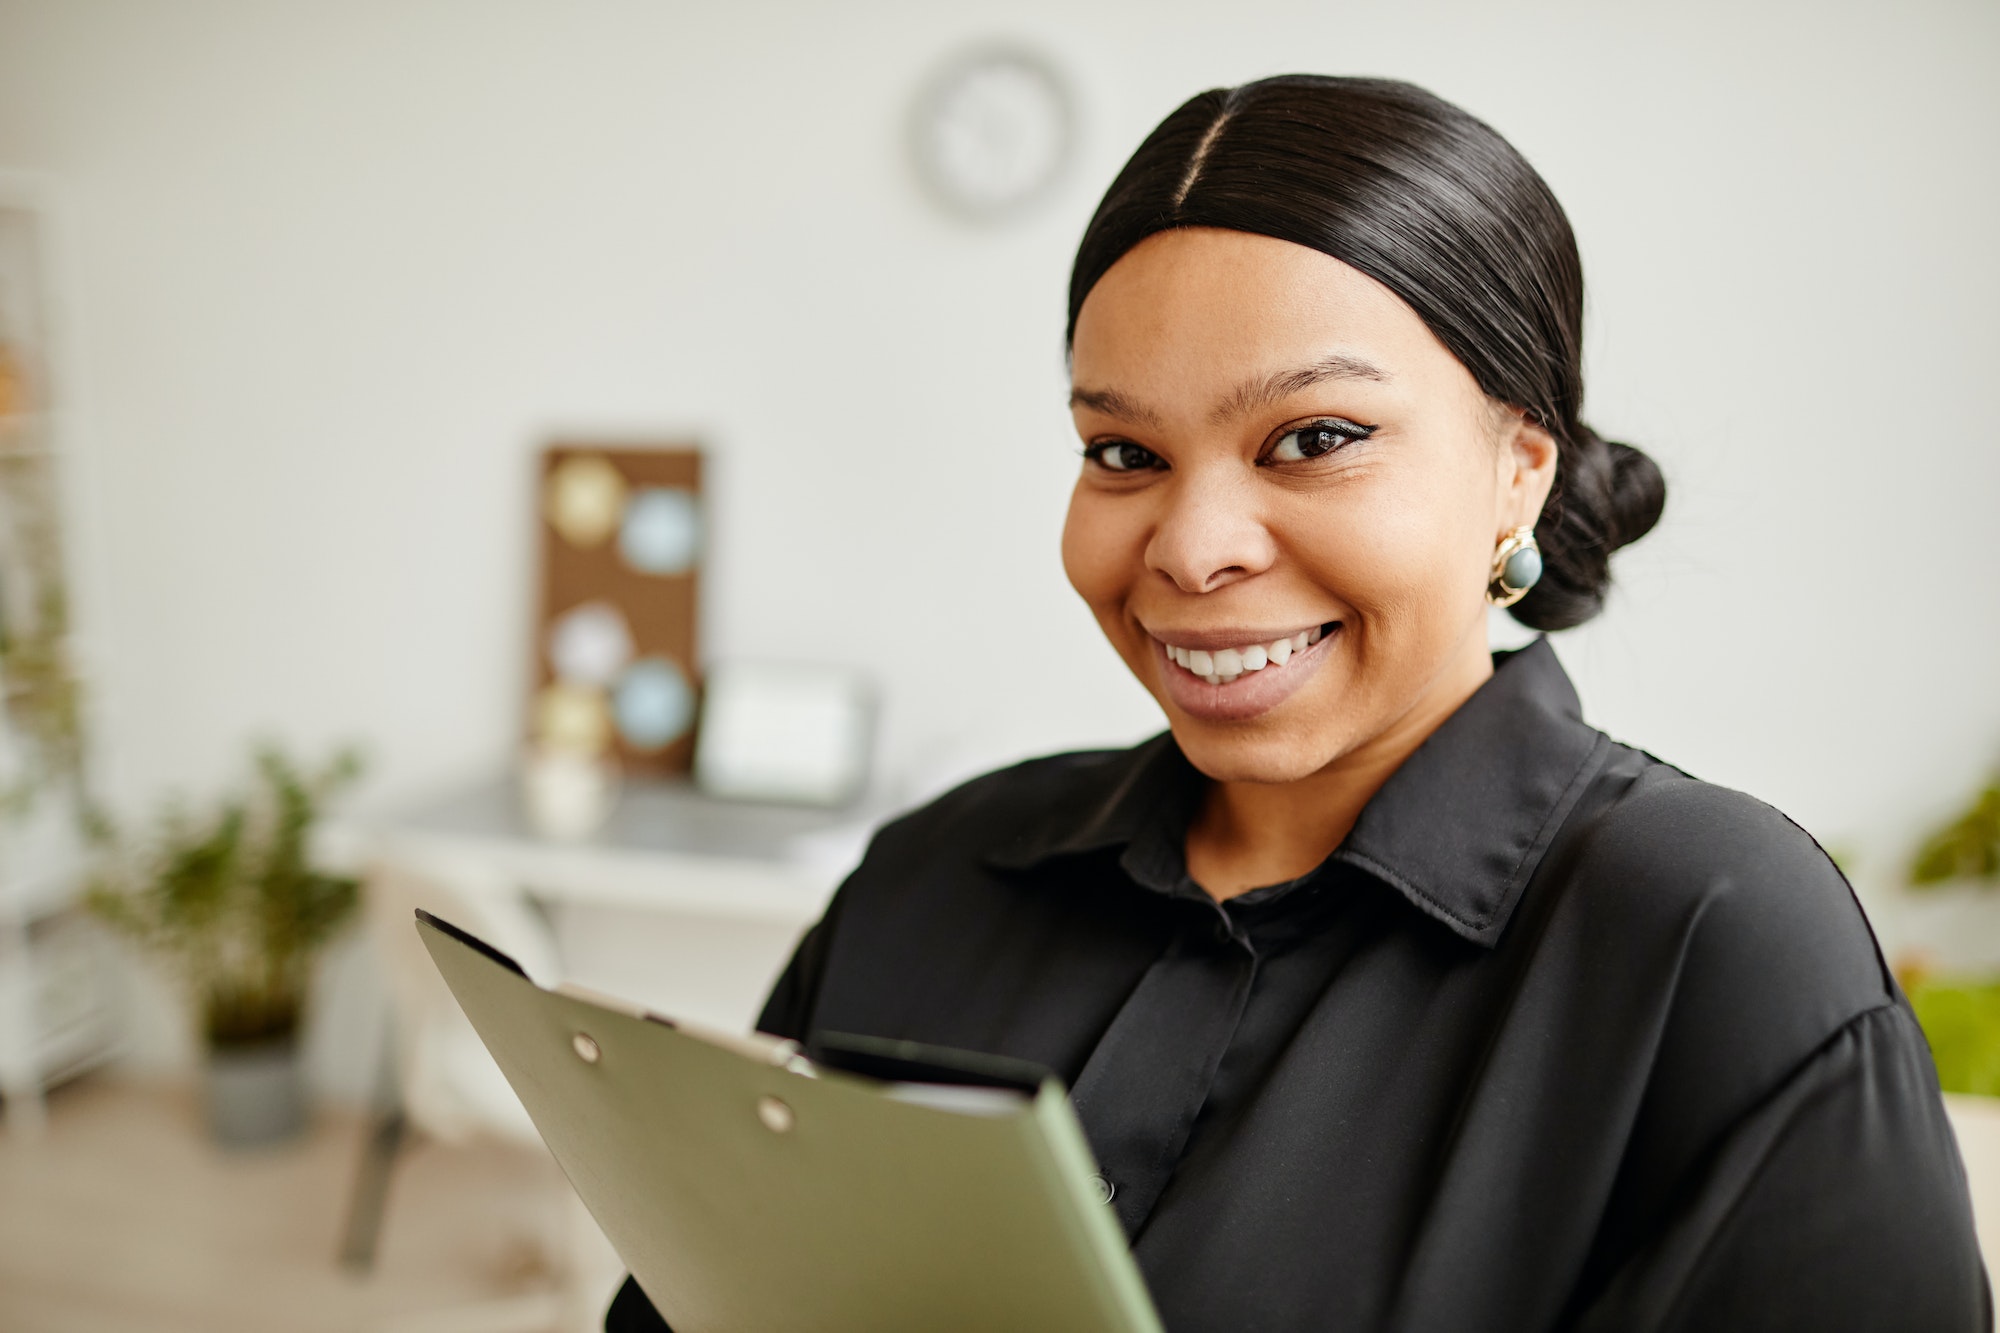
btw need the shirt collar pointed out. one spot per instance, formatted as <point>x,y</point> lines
<point>1457,830</point>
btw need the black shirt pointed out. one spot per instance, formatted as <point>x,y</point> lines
<point>1559,1037</point>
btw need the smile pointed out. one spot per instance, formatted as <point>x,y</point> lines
<point>1222,666</point>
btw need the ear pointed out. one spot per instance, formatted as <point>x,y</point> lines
<point>1526,459</point>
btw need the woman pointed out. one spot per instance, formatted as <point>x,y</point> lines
<point>1392,995</point>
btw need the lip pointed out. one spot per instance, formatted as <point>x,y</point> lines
<point>1211,640</point>
<point>1250,694</point>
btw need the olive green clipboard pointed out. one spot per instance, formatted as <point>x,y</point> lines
<point>750,1190</point>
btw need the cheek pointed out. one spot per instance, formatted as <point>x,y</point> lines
<point>1103,548</point>
<point>1402,555</point>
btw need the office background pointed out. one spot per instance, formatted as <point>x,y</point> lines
<point>328,277</point>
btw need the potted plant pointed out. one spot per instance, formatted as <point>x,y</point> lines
<point>230,898</point>
<point>1959,1004</point>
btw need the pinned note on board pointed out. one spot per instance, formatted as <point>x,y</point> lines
<point>615,651</point>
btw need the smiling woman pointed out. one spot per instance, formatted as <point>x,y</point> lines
<point>1393,995</point>
<point>1279,452</point>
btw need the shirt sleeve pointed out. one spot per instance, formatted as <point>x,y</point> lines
<point>631,1312</point>
<point>1838,1203</point>
<point>789,1010</point>
<point>787,1013</point>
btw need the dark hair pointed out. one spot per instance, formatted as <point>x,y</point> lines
<point>1437,207</point>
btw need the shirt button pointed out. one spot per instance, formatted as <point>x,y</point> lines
<point>1223,934</point>
<point>1103,1188</point>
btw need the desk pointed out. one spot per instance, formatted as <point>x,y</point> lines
<point>666,848</point>
<point>681,901</point>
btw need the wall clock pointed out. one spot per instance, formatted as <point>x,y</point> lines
<point>992,132</point>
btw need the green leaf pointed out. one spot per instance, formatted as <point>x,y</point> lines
<point>1962,1024</point>
<point>229,895</point>
<point>1968,847</point>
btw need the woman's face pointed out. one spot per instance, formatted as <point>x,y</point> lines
<point>1290,499</point>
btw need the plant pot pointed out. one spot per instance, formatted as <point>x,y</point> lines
<point>256,1093</point>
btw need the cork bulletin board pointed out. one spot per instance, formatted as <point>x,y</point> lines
<point>615,649</point>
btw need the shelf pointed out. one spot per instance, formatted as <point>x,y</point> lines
<point>22,423</point>
<point>43,893</point>
<point>42,896</point>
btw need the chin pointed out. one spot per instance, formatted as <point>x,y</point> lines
<point>1249,758</point>
<point>1274,725</point>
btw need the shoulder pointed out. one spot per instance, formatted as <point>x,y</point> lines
<point>1749,893</point>
<point>1667,819</point>
<point>1759,948</point>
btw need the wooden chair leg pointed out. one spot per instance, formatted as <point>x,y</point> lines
<point>386,1131</point>
<point>370,1198</point>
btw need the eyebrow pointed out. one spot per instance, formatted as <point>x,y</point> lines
<point>1246,398</point>
<point>1282,385</point>
<point>1111,403</point>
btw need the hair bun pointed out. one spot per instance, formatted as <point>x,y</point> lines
<point>1638,494</point>
<point>1610,496</point>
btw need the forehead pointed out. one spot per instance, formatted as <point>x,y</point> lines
<point>1188,313</point>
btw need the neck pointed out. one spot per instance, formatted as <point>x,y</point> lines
<point>1249,834</point>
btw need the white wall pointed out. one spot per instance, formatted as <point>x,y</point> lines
<point>333,272</point>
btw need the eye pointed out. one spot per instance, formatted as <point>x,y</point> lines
<point>1123,456</point>
<point>1315,440</point>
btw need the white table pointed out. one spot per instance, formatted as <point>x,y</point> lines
<point>681,901</point>
<point>666,848</point>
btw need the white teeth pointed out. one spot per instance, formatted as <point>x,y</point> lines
<point>1220,666</point>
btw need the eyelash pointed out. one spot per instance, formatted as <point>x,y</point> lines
<point>1350,432</point>
<point>1095,453</point>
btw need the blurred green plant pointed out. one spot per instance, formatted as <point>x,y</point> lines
<point>1962,1023</point>
<point>38,686</point>
<point>1967,848</point>
<point>230,897</point>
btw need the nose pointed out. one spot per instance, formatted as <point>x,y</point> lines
<point>1211,533</point>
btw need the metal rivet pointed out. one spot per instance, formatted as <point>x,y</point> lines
<point>777,1116</point>
<point>1106,1191</point>
<point>585,1047</point>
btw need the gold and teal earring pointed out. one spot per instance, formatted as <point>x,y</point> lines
<point>1517,565</point>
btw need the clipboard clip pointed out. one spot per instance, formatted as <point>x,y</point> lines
<point>789,1056</point>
